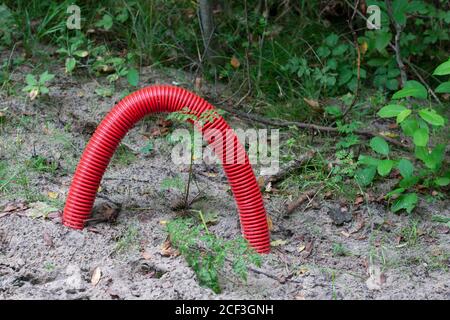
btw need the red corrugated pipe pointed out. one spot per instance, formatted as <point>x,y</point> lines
<point>124,116</point>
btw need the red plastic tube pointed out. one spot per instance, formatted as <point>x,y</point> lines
<point>124,116</point>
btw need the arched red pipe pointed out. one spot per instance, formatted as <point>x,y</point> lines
<point>124,116</point>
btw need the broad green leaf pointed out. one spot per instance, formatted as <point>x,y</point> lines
<point>345,75</point>
<point>403,115</point>
<point>391,110</point>
<point>443,87</point>
<point>147,148</point>
<point>399,8</point>
<point>392,84</point>
<point>334,111</point>
<point>43,90</point>
<point>340,50</point>
<point>70,64</point>
<point>437,155</point>
<point>412,88</point>
<point>133,77</point>
<point>406,168</point>
<point>379,145</point>
<point>81,53</point>
<point>420,137</point>
<point>442,69</point>
<point>432,117</point>
<point>29,88</point>
<point>106,22</point>
<point>409,182</point>
<point>31,80</point>
<point>395,192</point>
<point>442,181</point>
<point>384,167</point>
<point>409,126</point>
<point>367,160</point>
<point>432,160</point>
<point>382,40</point>
<point>406,201</point>
<point>365,176</point>
<point>45,76</point>
<point>332,40</point>
<point>323,52</point>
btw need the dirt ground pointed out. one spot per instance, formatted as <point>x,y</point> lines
<point>319,257</point>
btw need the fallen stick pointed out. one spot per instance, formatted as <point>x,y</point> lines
<point>300,200</point>
<point>302,125</point>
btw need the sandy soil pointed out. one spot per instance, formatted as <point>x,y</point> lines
<point>361,257</point>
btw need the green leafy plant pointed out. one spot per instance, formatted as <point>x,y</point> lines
<point>74,51</point>
<point>117,67</point>
<point>332,71</point>
<point>172,183</point>
<point>422,34</point>
<point>128,238</point>
<point>36,87</point>
<point>207,254</point>
<point>418,123</point>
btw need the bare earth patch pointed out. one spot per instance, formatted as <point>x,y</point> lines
<point>367,255</point>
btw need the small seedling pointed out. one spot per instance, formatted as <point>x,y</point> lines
<point>37,87</point>
<point>339,250</point>
<point>128,239</point>
<point>207,254</point>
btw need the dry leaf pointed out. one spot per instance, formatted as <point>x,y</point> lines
<point>308,249</point>
<point>376,278</point>
<point>277,243</point>
<point>301,248</point>
<point>389,134</point>
<point>96,275</point>
<point>167,250</point>
<point>270,223</point>
<point>312,103</point>
<point>235,62</point>
<point>359,200</point>
<point>15,206</point>
<point>300,296</point>
<point>302,271</point>
<point>40,209</point>
<point>363,47</point>
<point>261,181</point>
<point>52,195</point>
<point>198,83</point>
<point>106,212</point>
<point>345,234</point>
<point>48,240</point>
<point>146,255</point>
<point>33,94</point>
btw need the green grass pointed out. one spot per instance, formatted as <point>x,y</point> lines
<point>409,233</point>
<point>128,239</point>
<point>339,250</point>
<point>123,156</point>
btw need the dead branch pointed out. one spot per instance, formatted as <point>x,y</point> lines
<point>358,61</point>
<point>300,200</point>
<point>302,125</point>
<point>398,32</point>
